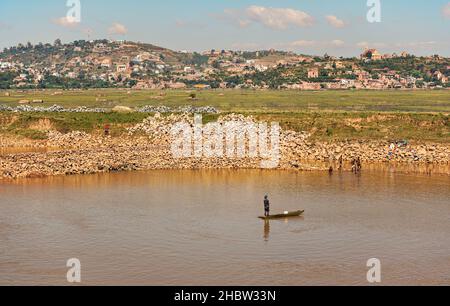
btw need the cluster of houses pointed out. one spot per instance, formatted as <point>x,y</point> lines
<point>374,55</point>
<point>150,68</point>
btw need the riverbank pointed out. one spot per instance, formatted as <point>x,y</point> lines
<point>147,146</point>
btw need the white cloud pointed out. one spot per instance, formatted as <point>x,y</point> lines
<point>243,23</point>
<point>73,24</point>
<point>117,29</point>
<point>303,43</point>
<point>66,22</point>
<point>335,22</point>
<point>273,18</point>
<point>236,17</point>
<point>180,23</point>
<point>337,43</point>
<point>365,44</point>
<point>87,31</point>
<point>446,10</point>
<point>279,18</point>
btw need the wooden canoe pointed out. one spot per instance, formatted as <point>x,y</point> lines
<point>287,214</point>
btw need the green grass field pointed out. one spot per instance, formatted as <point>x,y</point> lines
<point>412,115</point>
<point>248,100</point>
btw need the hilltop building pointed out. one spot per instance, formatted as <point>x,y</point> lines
<point>371,54</point>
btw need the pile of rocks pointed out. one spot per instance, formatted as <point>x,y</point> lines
<point>50,109</point>
<point>197,110</point>
<point>236,118</point>
<point>73,139</point>
<point>159,126</point>
<point>154,109</point>
<point>83,109</point>
<point>189,109</point>
<point>298,147</point>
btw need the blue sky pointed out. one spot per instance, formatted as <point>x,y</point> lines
<point>338,27</point>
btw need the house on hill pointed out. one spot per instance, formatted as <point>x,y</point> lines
<point>441,77</point>
<point>371,54</point>
<point>313,73</point>
<point>106,63</point>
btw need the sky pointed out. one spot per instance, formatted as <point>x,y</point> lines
<point>336,27</point>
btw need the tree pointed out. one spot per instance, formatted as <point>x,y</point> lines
<point>57,43</point>
<point>132,83</point>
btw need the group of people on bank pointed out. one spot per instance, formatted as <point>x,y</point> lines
<point>356,165</point>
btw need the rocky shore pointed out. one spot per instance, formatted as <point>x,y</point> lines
<point>147,146</point>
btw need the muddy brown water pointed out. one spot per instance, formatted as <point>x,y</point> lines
<point>201,228</point>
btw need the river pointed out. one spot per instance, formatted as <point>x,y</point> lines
<point>201,228</point>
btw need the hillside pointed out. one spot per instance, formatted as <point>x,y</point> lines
<point>105,64</point>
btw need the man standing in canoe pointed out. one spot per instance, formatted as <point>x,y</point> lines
<point>266,206</point>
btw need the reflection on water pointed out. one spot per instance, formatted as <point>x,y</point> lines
<point>266,230</point>
<point>201,228</point>
<point>388,167</point>
<point>286,221</point>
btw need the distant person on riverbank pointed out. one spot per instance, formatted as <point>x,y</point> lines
<point>358,164</point>
<point>266,206</point>
<point>107,128</point>
<point>392,149</point>
<point>354,165</point>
